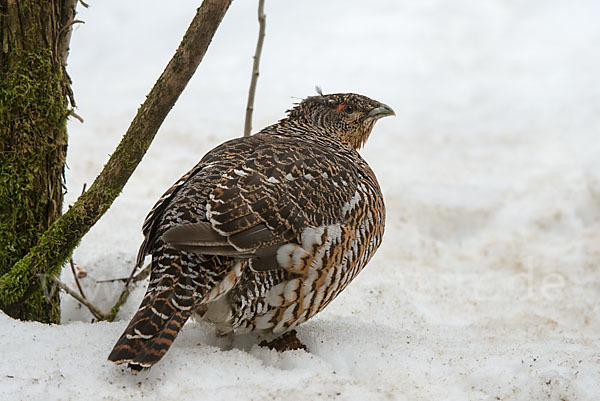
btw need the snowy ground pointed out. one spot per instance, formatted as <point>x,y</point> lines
<point>487,285</point>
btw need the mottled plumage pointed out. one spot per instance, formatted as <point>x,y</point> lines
<point>264,231</point>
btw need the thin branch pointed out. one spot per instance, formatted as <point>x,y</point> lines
<point>63,37</point>
<point>98,314</point>
<point>63,40</point>
<point>122,298</point>
<point>68,25</point>
<point>262,22</point>
<point>130,278</point>
<point>145,272</point>
<point>77,116</point>
<point>76,278</point>
<point>57,243</point>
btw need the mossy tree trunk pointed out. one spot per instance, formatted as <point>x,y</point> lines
<point>34,106</point>
<point>21,282</point>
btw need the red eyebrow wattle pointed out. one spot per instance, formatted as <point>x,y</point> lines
<point>340,107</point>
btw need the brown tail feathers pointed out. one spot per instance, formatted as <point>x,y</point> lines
<point>149,334</point>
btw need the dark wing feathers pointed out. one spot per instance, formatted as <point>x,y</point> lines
<point>253,238</point>
<point>201,238</point>
<point>263,191</point>
<point>201,234</point>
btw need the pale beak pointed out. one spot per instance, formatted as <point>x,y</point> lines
<point>382,111</point>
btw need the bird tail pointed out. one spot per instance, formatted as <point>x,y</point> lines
<point>150,333</point>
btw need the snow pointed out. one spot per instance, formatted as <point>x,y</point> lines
<point>486,286</point>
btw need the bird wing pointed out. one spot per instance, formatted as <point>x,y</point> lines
<point>262,199</point>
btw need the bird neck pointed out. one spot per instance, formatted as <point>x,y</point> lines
<point>305,130</point>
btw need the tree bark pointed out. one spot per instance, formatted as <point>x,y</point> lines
<point>34,106</point>
<point>56,244</point>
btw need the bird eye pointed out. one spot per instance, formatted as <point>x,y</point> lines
<point>348,109</point>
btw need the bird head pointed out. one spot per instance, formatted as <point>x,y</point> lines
<point>349,116</point>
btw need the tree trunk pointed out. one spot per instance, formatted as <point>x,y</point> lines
<point>34,105</point>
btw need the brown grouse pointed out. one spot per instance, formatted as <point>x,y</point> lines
<point>264,232</point>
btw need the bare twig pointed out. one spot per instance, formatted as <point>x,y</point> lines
<point>111,280</point>
<point>145,272</point>
<point>68,25</point>
<point>262,22</point>
<point>63,37</point>
<point>76,278</point>
<point>86,5</point>
<point>77,116</point>
<point>130,278</point>
<point>98,314</point>
<point>122,298</point>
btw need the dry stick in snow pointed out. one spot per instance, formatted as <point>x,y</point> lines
<point>54,247</point>
<point>262,21</point>
<point>142,274</point>
<point>98,314</point>
<point>145,272</point>
<point>76,278</point>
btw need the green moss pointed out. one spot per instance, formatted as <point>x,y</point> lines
<point>33,140</point>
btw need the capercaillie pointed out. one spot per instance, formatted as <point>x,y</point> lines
<point>264,232</point>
